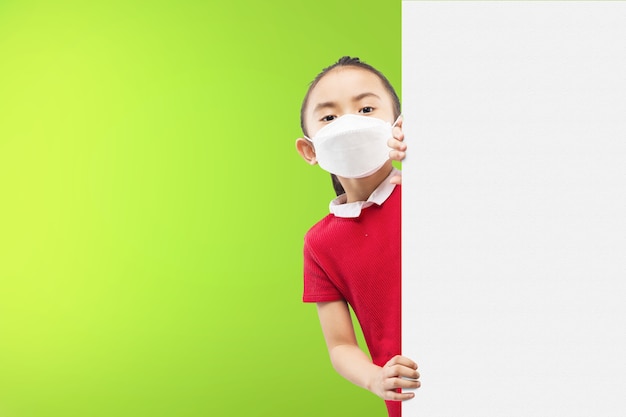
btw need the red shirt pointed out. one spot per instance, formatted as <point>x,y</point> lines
<point>358,260</point>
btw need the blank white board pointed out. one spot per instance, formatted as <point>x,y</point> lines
<point>514,210</point>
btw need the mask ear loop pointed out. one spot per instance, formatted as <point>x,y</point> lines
<point>397,120</point>
<point>310,141</point>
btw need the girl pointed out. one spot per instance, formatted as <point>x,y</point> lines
<point>350,118</point>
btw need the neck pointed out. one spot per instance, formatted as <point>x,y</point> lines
<point>359,189</point>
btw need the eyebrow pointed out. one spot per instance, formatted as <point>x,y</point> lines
<point>331,104</point>
<point>363,95</point>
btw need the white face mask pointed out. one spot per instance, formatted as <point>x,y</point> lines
<point>353,146</point>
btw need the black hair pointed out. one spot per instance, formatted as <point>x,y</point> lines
<point>347,61</point>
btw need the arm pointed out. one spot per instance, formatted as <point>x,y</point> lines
<point>398,148</point>
<point>354,365</point>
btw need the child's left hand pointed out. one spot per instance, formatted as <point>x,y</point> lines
<point>398,147</point>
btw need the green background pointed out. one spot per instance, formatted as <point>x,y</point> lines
<point>152,205</point>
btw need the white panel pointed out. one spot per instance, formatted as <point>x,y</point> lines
<point>514,211</point>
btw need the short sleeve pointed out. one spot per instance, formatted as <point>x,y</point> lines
<point>318,287</point>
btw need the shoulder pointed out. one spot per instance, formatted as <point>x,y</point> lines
<point>320,229</point>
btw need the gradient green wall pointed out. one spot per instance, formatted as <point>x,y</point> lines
<point>152,205</point>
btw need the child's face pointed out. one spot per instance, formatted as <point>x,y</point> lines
<point>347,90</point>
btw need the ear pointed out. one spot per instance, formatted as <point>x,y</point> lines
<point>306,150</point>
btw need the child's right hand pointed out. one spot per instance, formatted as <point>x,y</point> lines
<point>396,143</point>
<point>398,147</point>
<point>390,377</point>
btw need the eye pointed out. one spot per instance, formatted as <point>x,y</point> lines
<point>366,109</point>
<point>328,118</point>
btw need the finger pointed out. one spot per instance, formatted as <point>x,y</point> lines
<point>401,360</point>
<point>413,388</point>
<point>397,133</point>
<point>416,383</point>
<point>400,120</point>
<point>396,179</point>
<point>398,396</point>
<point>397,155</point>
<point>401,371</point>
<point>395,383</point>
<point>394,143</point>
